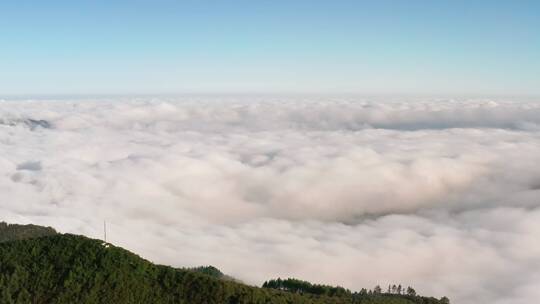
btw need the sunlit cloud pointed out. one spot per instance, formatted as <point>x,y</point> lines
<point>440,195</point>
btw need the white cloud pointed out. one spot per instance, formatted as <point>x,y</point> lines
<point>441,195</point>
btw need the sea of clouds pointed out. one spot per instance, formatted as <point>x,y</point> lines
<point>442,195</point>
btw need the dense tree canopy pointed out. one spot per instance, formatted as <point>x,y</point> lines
<point>363,296</point>
<point>74,269</point>
<point>10,232</point>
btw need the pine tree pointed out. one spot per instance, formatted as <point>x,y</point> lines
<point>411,291</point>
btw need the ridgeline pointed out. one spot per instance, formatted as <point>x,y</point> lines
<point>38,265</point>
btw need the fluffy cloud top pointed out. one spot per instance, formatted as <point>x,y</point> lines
<point>441,195</point>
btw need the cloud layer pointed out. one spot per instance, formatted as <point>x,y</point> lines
<point>443,195</point>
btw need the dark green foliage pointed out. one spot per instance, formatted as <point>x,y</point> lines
<point>299,286</point>
<point>208,270</point>
<point>213,272</point>
<point>11,232</point>
<point>345,296</point>
<point>75,269</point>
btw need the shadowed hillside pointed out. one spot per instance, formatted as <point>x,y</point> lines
<point>11,232</point>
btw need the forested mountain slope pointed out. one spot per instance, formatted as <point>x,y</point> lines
<point>65,268</point>
<point>10,232</point>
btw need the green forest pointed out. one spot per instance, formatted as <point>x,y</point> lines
<point>12,232</point>
<point>38,265</point>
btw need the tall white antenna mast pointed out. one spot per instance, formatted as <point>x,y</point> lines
<point>105,231</point>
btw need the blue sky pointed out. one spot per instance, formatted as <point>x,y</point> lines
<point>364,47</point>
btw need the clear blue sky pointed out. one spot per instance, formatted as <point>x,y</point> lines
<point>365,47</point>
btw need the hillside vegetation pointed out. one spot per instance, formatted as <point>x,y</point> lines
<point>65,268</point>
<point>11,232</point>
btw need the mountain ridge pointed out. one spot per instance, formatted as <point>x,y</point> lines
<point>39,265</point>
